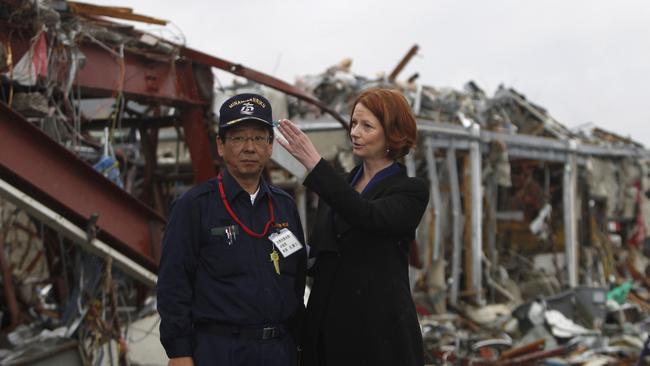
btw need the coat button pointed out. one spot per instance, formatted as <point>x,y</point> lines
<point>339,236</point>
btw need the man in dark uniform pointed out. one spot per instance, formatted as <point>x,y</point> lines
<point>232,272</point>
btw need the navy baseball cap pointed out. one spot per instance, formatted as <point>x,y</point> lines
<point>245,107</point>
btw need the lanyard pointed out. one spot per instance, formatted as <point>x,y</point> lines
<point>234,217</point>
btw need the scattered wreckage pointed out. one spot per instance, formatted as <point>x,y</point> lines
<point>535,246</point>
<point>534,249</point>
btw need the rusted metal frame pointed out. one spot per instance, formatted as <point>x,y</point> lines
<point>196,139</point>
<point>151,193</point>
<point>533,357</point>
<point>53,175</point>
<point>144,123</point>
<point>259,77</point>
<point>145,79</point>
<point>77,235</point>
<point>523,350</point>
<point>8,284</point>
<point>196,131</point>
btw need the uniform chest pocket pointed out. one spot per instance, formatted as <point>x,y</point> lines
<point>222,257</point>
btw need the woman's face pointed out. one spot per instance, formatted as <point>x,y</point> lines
<point>367,134</point>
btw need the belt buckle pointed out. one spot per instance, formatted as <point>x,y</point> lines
<point>268,333</point>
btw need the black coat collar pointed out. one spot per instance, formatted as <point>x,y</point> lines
<point>381,185</point>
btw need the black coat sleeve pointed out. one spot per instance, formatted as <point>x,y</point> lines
<point>302,264</point>
<point>175,288</point>
<point>398,211</point>
<point>296,321</point>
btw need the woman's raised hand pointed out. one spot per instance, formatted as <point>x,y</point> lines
<point>298,144</point>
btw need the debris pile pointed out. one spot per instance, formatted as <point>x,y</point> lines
<point>526,309</point>
<point>58,301</point>
<point>534,249</point>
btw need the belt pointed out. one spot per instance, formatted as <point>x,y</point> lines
<point>227,330</point>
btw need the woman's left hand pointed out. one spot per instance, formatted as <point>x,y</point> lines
<point>298,144</point>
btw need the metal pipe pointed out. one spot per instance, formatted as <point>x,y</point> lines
<point>456,230</point>
<point>76,234</point>
<point>417,103</point>
<point>569,188</point>
<point>435,196</point>
<point>477,211</point>
<point>492,199</point>
<point>533,145</point>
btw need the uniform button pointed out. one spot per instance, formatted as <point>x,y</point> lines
<point>338,236</point>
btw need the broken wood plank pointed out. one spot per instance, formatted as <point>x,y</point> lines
<point>113,12</point>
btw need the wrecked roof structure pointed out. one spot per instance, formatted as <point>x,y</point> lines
<point>534,246</point>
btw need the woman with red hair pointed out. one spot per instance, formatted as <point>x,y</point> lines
<point>360,310</point>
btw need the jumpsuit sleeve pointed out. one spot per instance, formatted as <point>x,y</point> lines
<point>175,288</point>
<point>397,212</point>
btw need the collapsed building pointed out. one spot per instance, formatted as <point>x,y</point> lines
<point>534,244</point>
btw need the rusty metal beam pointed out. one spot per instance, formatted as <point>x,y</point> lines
<point>137,76</point>
<point>157,82</point>
<point>196,124</point>
<point>259,77</point>
<point>144,79</point>
<point>405,60</point>
<point>196,139</point>
<point>41,167</point>
<point>143,123</point>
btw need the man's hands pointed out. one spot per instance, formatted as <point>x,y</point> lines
<point>181,361</point>
<point>298,144</point>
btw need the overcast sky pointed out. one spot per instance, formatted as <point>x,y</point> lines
<point>584,61</point>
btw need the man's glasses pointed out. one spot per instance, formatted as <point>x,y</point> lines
<point>257,140</point>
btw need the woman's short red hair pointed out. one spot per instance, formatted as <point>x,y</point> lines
<point>396,117</point>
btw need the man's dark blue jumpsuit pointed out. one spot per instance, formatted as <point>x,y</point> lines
<point>215,297</point>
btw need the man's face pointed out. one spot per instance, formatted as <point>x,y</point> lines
<point>246,149</point>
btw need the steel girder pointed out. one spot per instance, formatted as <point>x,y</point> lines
<point>50,173</point>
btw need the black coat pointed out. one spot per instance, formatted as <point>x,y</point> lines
<point>360,310</point>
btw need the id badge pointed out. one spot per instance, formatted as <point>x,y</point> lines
<point>286,242</point>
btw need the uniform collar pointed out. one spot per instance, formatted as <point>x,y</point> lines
<point>233,189</point>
